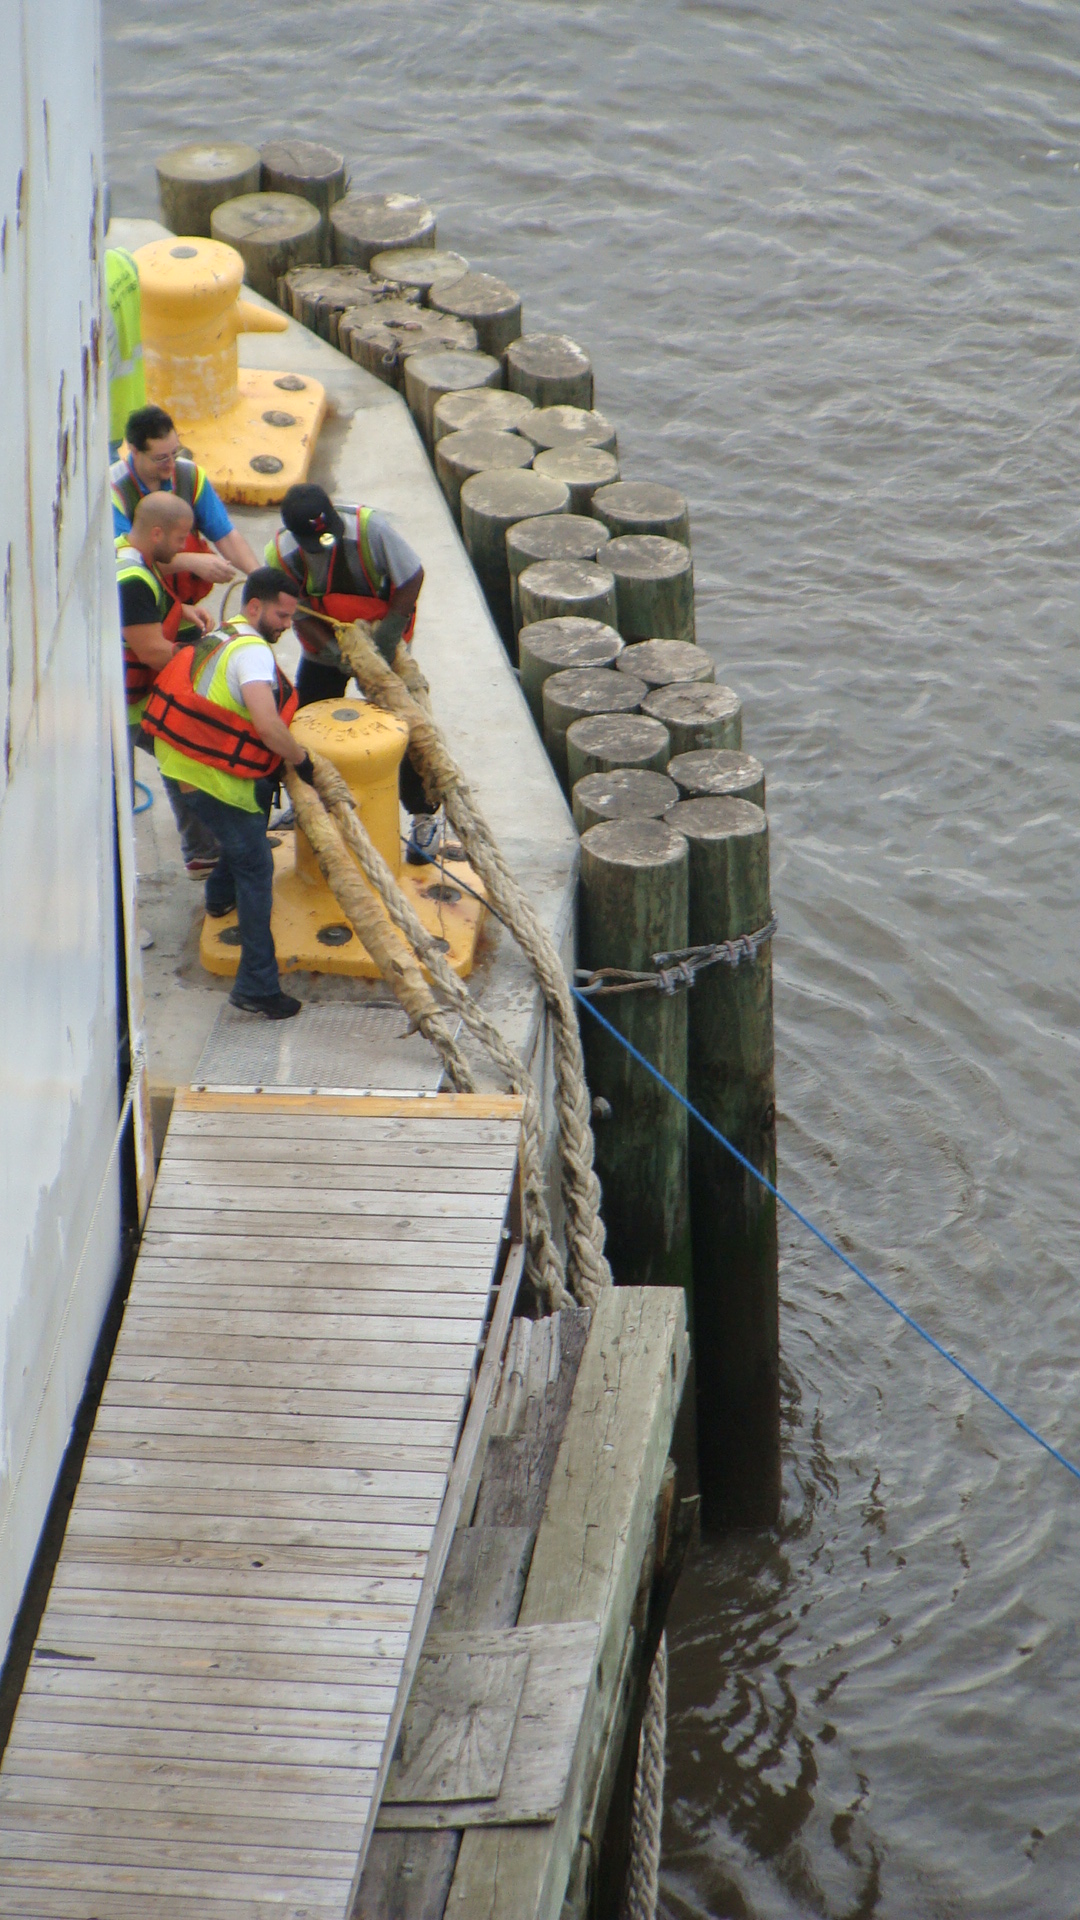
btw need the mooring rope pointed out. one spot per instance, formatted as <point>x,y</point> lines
<point>403,690</point>
<point>642,1888</point>
<point>830,1245</point>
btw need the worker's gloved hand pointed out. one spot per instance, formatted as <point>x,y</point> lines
<point>387,634</point>
<point>306,770</point>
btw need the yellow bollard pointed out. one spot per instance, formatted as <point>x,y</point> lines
<point>253,430</point>
<point>366,745</point>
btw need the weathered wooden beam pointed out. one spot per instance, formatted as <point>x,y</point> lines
<point>587,1563</point>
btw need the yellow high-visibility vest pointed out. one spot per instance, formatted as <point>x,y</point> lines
<point>123,339</point>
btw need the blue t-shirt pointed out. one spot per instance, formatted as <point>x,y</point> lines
<point>211,519</point>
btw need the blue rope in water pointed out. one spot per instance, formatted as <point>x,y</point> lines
<point>830,1245</point>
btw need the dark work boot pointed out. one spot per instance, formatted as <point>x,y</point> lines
<point>275,1006</point>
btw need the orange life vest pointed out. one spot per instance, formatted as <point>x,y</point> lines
<point>355,553</point>
<point>199,727</point>
<point>138,677</point>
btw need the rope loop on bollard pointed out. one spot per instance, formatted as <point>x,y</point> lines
<point>675,971</point>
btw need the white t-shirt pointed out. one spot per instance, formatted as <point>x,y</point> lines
<point>254,662</point>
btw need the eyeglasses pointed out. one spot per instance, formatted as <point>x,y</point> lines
<point>161,459</point>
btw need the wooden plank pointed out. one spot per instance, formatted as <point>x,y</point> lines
<point>418,1109</point>
<point>360,1274</point>
<point>288,1173</point>
<point>280,1399</point>
<point>341,1224</point>
<point>128,1505</point>
<point>186,1882</point>
<point>538,1762</point>
<point>484,1579</point>
<point>370,1489</point>
<point>456,1734</point>
<point>244,1775</point>
<point>586,1564</point>
<point>348,1203</point>
<point>56,1715</point>
<point>221,1540</point>
<point>165,1743</point>
<point>78,1583</point>
<point>383,1389</point>
<point>95,1826</point>
<point>67,1683</point>
<point>183,1243</point>
<point>422,1863</point>
<point>266,1613</point>
<point>114,1786</point>
<point>40,1903</point>
<point>103,1633</point>
<point>298,1451</point>
<point>182,1309</point>
<point>109,1848</point>
<point>348,1430</point>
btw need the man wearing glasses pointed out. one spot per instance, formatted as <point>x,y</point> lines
<point>153,463</point>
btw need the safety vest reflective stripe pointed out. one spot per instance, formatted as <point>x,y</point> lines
<point>212,727</point>
<point>130,565</point>
<point>126,491</point>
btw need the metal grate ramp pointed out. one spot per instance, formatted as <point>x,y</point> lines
<point>314,1329</point>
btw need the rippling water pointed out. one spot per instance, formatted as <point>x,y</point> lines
<point>824,261</point>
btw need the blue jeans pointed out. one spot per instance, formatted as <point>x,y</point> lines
<point>244,878</point>
<point>195,842</point>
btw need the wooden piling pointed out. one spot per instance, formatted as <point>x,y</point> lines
<point>559,646</point>
<point>669,663</point>
<point>633,902</point>
<point>584,470</point>
<point>565,589</point>
<point>570,427</point>
<point>489,305</point>
<point>730,1082</point>
<point>577,695</point>
<point>382,335</point>
<point>654,584</point>
<point>428,376</point>
<point>697,716</point>
<point>641,506</point>
<point>194,179</point>
<point>719,773</point>
<point>271,232</point>
<point>561,536</point>
<point>603,742</point>
<point>418,268</point>
<point>364,224</point>
<point>459,455</point>
<point>627,793</point>
<point>490,503</point>
<point>552,369</point>
<point>488,407</point>
<point>318,296</point>
<point>314,172</point>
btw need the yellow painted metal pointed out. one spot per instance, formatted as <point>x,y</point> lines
<point>253,431</point>
<point>366,746</point>
<point>310,934</point>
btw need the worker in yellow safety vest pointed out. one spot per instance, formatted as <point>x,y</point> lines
<point>123,342</point>
<point>153,623</point>
<point>219,713</point>
<point>154,463</point>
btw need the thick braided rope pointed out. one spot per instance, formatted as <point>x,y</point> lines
<point>643,1872</point>
<point>365,914</point>
<point>587,1268</point>
<point>543,1263</point>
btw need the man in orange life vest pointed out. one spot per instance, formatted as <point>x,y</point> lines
<point>151,619</point>
<point>350,563</point>
<point>219,713</point>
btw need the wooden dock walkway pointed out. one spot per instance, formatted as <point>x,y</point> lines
<point>304,1373</point>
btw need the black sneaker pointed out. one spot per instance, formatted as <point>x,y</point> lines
<point>275,1006</point>
<point>219,913</point>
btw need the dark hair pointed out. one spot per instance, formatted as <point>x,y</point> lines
<point>146,424</point>
<point>267,583</point>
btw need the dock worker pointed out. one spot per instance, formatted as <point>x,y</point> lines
<point>219,713</point>
<point>215,552</point>
<point>152,619</point>
<point>351,563</point>
<point>123,342</point>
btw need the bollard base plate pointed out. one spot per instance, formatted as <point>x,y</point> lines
<point>263,446</point>
<point>311,934</point>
